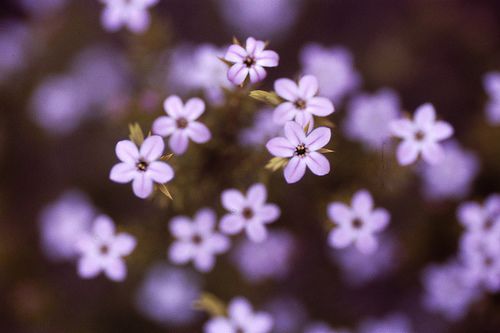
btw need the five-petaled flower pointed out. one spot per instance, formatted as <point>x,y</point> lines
<point>302,149</point>
<point>421,136</point>
<point>102,250</point>
<point>250,212</point>
<point>301,101</point>
<point>181,124</point>
<point>141,166</point>
<point>357,224</point>
<point>197,240</point>
<point>249,61</point>
<point>241,319</point>
<point>130,13</point>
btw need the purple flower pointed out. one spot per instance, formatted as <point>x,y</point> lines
<point>394,323</point>
<point>452,177</point>
<point>241,319</point>
<point>491,82</point>
<point>357,224</point>
<point>130,13</point>
<point>369,116</point>
<point>301,101</point>
<point>333,67</point>
<point>421,136</point>
<point>249,61</point>
<point>141,166</point>
<point>102,250</point>
<point>289,315</point>
<point>16,47</point>
<point>197,240</point>
<point>181,124</point>
<point>477,218</point>
<point>302,150</point>
<point>250,212</point>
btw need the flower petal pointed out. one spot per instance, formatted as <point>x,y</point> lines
<point>237,73</point>
<point>340,213</point>
<point>366,243</point>
<point>219,325</point>
<point>233,200</point>
<point>152,148</point>
<point>127,151</point>
<point>318,138</point>
<point>231,224</point>
<point>240,311</point>
<point>268,213</point>
<point>104,228</point>
<point>164,126</point>
<point>320,106</point>
<point>407,152</point>
<point>257,73</point>
<point>267,58</point>
<point>340,238</point>
<point>194,108</point>
<point>198,132</point>
<point>235,53</point>
<point>283,113</point>
<point>432,153</point>
<point>256,195</point>
<point>304,118</point>
<point>204,221</point>
<point>138,21</point>
<point>142,186</point>
<point>362,203</point>
<point>280,147</point>
<point>294,133</point>
<point>441,130</point>
<point>262,322</point>
<point>160,172</point>
<point>181,252</point>
<point>256,231</point>
<point>181,227</point>
<point>308,87</point>
<point>425,116</point>
<point>122,173</point>
<point>88,267</point>
<point>317,163</point>
<point>294,170</point>
<point>379,219</point>
<point>178,142</point>
<point>123,245</point>
<point>204,261</point>
<point>402,128</point>
<point>173,106</point>
<point>111,19</point>
<point>286,89</point>
<point>116,270</point>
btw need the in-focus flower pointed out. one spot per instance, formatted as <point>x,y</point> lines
<point>368,117</point>
<point>63,222</point>
<point>302,149</point>
<point>334,69</point>
<point>301,102</point>
<point>197,240</point>
<point>263,129</point>
<point>491,82</point>
<point>102,250</point>
<point>241,319</point>
<point>167,295</point>
<point>181,124</point>
<point>452,177</point>
<point>421,136</point>
<point>130,13</point>
<point>249,61</point>
<point>141,166</point>
<point>250,212</point>
<point>357,224</point>
<point>270,259</point>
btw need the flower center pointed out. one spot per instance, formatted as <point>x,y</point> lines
<point>488,261</point>
<point>104,249</point>
<point>419,135</point>
<point>142,166</point>
<point>249,61</point>
<point>301,150</point>
<point>357,223</point>
<point>181,122</point>
<point>300,104</point>
<point>488,225</point>
<point>197,239</point>
<point>247,213</point>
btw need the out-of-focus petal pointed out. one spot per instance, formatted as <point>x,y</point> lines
<point>340,213</point>
<point>198,132</point>
<point>407,152</point>
<point>256,231</point>
<point>340,238</point>
<point>362,203</point>
<point>116,270</point>
<point>123,244</point>
<point>173,106</point>
<point>231,224</point>
<point>269,213</point>
<point>194,108</point>
<point>181,252</point>
<point>425,116</point>
<point>164,126</point>
<point>308,86</point>
<point>178,142</point>
<point>441,130</point>
<point>181,227</point>
<point>432,153</point>
<point>233,200</point>
<point>320,106</point>
<point>402,128</point>
<point>88,267</point>
<point>257,195</point>
<point>283,113</point>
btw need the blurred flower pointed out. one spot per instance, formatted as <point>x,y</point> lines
<point>452,177</point>
<point>491,82</point>
<point>369,116</point>
<point>141,166</point>
<point>446,290</point>
<point>16,43</point>
<point>333,67</point>
<point>357,224</point>
<point>197,240</point>
<point>323,328</point>
<point>394,323</point>
<point>167,295</point>
<point>263,129</point>
<point>62,222</point>
<point>248,212</point>
<point>181,124</point>
<point>270,259</point>
<point>421,136</point>
<point>41,8</point>
<point>288,314</point>
<point>301,101</point>
<point>263,18</point>
<point>102,250</point>
<point>130,13</point>
<point>302,150</point>
<point>241,319</point>
<point>480,219</point>
<point>249,61</point>
<point>359,268</point>
<point>195,68</point>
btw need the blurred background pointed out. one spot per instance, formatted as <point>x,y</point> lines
<point>69,89</point>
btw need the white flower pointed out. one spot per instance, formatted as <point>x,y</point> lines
<point>421,136</point>
<point>130,13</point>
<point>248,212</point>
<point>197,240</point>
<point>241,319</point>
<point>141,166</point>
<point>102,250</point>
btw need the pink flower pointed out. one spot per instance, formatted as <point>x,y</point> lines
<point>357,224</point>
<point>197,240</point>
<point>248,212</point>
<point>130,13</point>
<point>421,136</point>
<point>102,250</point>
<point>249,61</point>
<point>241,319</point>
<point>181,124</point>
<point>302,151</point>
<point>301,101</point>
<point>141,166</point>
